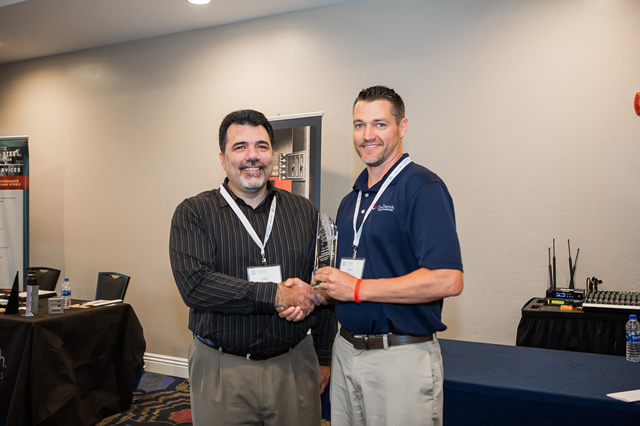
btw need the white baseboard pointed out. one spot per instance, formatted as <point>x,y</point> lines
<point>164,364</point>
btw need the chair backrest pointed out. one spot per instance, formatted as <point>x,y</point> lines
<point>47,277</point>
<point>111,286</point>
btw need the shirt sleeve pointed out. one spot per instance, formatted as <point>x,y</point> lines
<point>432,217</point>
<point>192,253</point>
<point>324,332</point>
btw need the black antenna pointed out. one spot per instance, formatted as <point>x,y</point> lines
<point>571,285</point>
<point>573,272</point>
<point>550,273</point>
<point>554,263</point>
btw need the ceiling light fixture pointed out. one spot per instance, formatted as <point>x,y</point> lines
<point>199,1</point>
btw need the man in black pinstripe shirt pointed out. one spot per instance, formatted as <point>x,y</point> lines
<point>251,361</point>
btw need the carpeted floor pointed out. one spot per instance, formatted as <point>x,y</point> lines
<point>164,400</point>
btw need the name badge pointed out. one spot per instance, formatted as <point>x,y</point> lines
<point>264,274</point>
<point>353,267</point>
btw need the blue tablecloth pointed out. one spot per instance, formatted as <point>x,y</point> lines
<point>487,384</point>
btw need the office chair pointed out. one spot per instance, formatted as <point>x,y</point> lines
<point>111,286</point>
<point>47,277</point>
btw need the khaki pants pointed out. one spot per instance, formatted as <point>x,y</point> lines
<point>401,385</point>
<point>231,390</point>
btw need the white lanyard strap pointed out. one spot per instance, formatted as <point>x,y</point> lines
<point>247,225</point>
<point>357,232</point>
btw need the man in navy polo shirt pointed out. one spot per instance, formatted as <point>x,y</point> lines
<point>399,257</point>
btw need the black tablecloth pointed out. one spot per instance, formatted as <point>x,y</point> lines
<point>487,384</point>
<point>69,369</point>
<point>543,326</point>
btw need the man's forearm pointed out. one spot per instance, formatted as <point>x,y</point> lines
<point>225,294</point>
<point>421,286</point>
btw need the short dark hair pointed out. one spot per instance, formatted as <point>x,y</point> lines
<point>383,93</point>
<point>243,117</point>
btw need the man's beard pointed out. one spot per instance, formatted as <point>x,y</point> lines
<point>373,162</point>
<point>254,182</point>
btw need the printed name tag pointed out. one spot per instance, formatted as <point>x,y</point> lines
<point>264,274</point>
<point>351,266</point>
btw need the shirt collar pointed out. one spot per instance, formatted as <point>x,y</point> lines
<point>271,191</point>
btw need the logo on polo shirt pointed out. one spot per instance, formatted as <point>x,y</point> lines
<point>385,208</point>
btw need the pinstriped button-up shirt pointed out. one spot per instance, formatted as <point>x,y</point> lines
<point>210,251</point>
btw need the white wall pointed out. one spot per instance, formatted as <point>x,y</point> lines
<point>524,108</point>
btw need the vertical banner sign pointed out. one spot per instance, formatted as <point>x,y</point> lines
<point>14,208</point>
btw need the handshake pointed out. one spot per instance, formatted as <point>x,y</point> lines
<point>295,299</point>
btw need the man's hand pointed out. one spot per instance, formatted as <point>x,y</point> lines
<point>337,284</point>
<point>322,297</point>
<point>325,373</point>
<point>293,313</point>
<point>295,299</point>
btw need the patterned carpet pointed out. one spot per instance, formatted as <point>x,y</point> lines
<point>164,401</point>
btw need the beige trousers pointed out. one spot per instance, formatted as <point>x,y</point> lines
<point>231,390</point>
<point>401,385</point>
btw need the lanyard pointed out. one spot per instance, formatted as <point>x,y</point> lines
<point>357,233</point>
<point>247,225</point>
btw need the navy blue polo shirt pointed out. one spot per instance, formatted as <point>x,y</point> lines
<point>412,226</point>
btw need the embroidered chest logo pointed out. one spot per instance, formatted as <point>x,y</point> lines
<point>385,208</point>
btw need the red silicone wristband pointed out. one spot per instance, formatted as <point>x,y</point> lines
<point>355,293</point>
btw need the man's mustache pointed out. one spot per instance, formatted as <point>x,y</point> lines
<point>253,165</point>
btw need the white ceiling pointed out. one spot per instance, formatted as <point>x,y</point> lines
<point>35,28</point>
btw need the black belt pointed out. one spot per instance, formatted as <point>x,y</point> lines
<point>252,357</point>
<point>377,341</point>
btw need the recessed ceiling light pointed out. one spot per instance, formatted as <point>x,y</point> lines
<point>200,1</point>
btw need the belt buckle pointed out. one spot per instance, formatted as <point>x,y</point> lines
<point>368,338</point>
<point>364,337</point>
<point>358,337</point>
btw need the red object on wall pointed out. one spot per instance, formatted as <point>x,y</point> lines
<point>636,103</point>
<point>282,184</point>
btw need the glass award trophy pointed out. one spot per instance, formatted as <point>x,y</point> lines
<point>326,242</point>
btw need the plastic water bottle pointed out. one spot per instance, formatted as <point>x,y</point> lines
<point>66,293</point>
<point>32,294</point>
<point>633,339</point>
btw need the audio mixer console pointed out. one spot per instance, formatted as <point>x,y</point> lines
<point>618,301</point>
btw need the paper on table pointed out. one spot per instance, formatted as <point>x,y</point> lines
<point>627,396</point>
<point>102,302</point>
<point>23,294</point>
